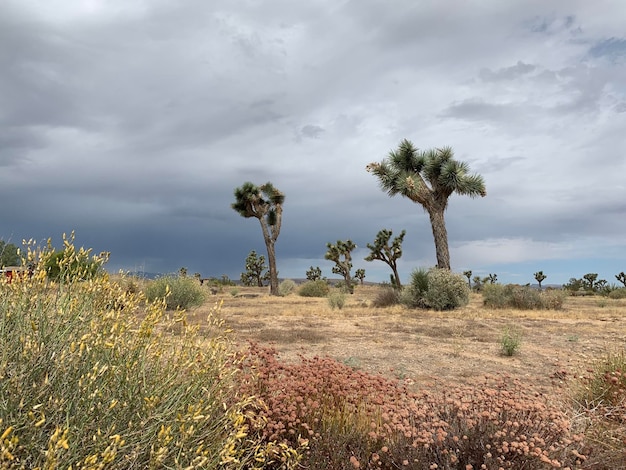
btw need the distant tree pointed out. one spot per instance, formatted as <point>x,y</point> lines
<point>621,277</point>
<point>341,254</point>
<point>468,275</point>
<point>574,285</point>
<point>9,254</point>
<point>428,178</point>
<point>540,277</point>
<point>182,272</point>
<point>314,274</point>
<point>255,267</point>
<point>478,283</point>
<point>360,275</point>
<point>589,281</point>
<point>266,204</point>
<point>492,278</point>
<point>389,254</point>
<point>197,276</point>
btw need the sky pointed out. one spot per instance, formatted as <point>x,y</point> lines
<point>132,122</point>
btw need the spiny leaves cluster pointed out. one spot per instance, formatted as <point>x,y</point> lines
<point>389,254</point>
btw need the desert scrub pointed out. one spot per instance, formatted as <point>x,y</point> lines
<point>521,297</point>
<point>90,378</point>
<point>510,341</point>
<point>317,288</point>
<point>386,297</point>
<point>352,419</point>
<point>337,299</point>
<point>286,287</point>
<point>179,292</point>
<point>439,289</point>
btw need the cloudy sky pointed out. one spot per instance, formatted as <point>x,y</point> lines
<point>131,122</point>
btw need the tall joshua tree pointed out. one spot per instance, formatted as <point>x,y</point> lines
<point>341,254</point>
<point>540,277</point>
<point>428,178</point>
<point>266,204</point>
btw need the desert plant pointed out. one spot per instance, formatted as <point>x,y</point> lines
<point>255,267</point>
<point>9,254</point>
<point>389,254</point>
<point>266,204</point>
<point>468,275</point>
<point>386,297</point>
<point>286,287</point>
<point>540,277</point>
<point>70,264</point>
<point>337,299</point>
<point>510,341</point>
<point>341,255</point>
<point>314,273</point>
<point>621,277</point>
<point>491,279</point>
<point>619,293</point>
<point>521,297</point>
<point>436,288</point>
<point>428,178</point>
<point>359,274</point>
<point>178,292</point>
<point>317,288</point>
<point>85,385</point>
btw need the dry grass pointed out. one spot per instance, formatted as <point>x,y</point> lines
<point>428,345</point>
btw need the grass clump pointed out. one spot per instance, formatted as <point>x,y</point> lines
<point>179,292</point>
<point>337,299</point>
<point>521,297</point>
<point>318,288</point>
<point>286,287</point>
<point>619,293</point>
<point>510,341</point>
<point>351,419</point>
<point>386,297</point>
<point>439,289</point>
<point>91,378</point>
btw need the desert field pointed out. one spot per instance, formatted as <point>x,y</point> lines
<point>423,347</point>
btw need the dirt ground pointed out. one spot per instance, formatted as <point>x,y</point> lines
<point>426,347</point>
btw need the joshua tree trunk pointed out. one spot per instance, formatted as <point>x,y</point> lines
<point>440,235</point>
<point>397,276</point>
<point>271,259</point>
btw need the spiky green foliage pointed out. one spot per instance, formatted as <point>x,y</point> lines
<point>314,273</point>
<point>621,277</point>
<point>264,203</point>
<point>255,273</point>
<point>428,178</point>
<point>468,275</point>
<point>341,255</point>
<point>387,253</point>
<point>540,277</point>
<point>360,275</point>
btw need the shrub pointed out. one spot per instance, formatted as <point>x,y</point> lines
<point>619,293</point>
<point>521,297</point>
<point>86,386</point>
<point>69,264</point>
<point>178,292</point>
<point>510,341</point>
<point>386,297</point>
<point>439,289</point>
<point>317,288</point>
<point>352,419</point>
<point>337,299</point>
<point>286,287</point>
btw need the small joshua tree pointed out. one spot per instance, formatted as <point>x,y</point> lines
<point>621,277</point>
<point>540,277</point>
<point>589,281</point>
<point>341,254</point>
<point>492,278</point>
<point>468,275</point>
<point>182,272</point>
<point>314,274</point>
<point>255,265</point>
<point>360,275</point>
<point>381,250</point>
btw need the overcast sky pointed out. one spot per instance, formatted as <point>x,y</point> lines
<point>132,122</point>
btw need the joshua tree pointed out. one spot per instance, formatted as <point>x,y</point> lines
<point>266,204</point>
<point>182,272</point>
<point>492,278</point>
<point>314,273</point>
<point>341,255</point>
<point>255,265</point>
<point>478,283</point>
<point>360,275</point>
<point>540,277</point>
<point>468,275</point>
<point>589,281</point>
<point>621,277</point>
<point>381,250</point>
<point>428,178</point>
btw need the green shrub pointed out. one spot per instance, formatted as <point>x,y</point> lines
<point>521,297</point>
<point>178,292</point>
<point>510,341</point>
<point>317,288</point>
<point>286,287</point>
<point>386,297</point>
<point>619,293</point>
<point>439,289</point>
<point>69,264</point>
<point>83,385</point>
<point>337,299</point>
